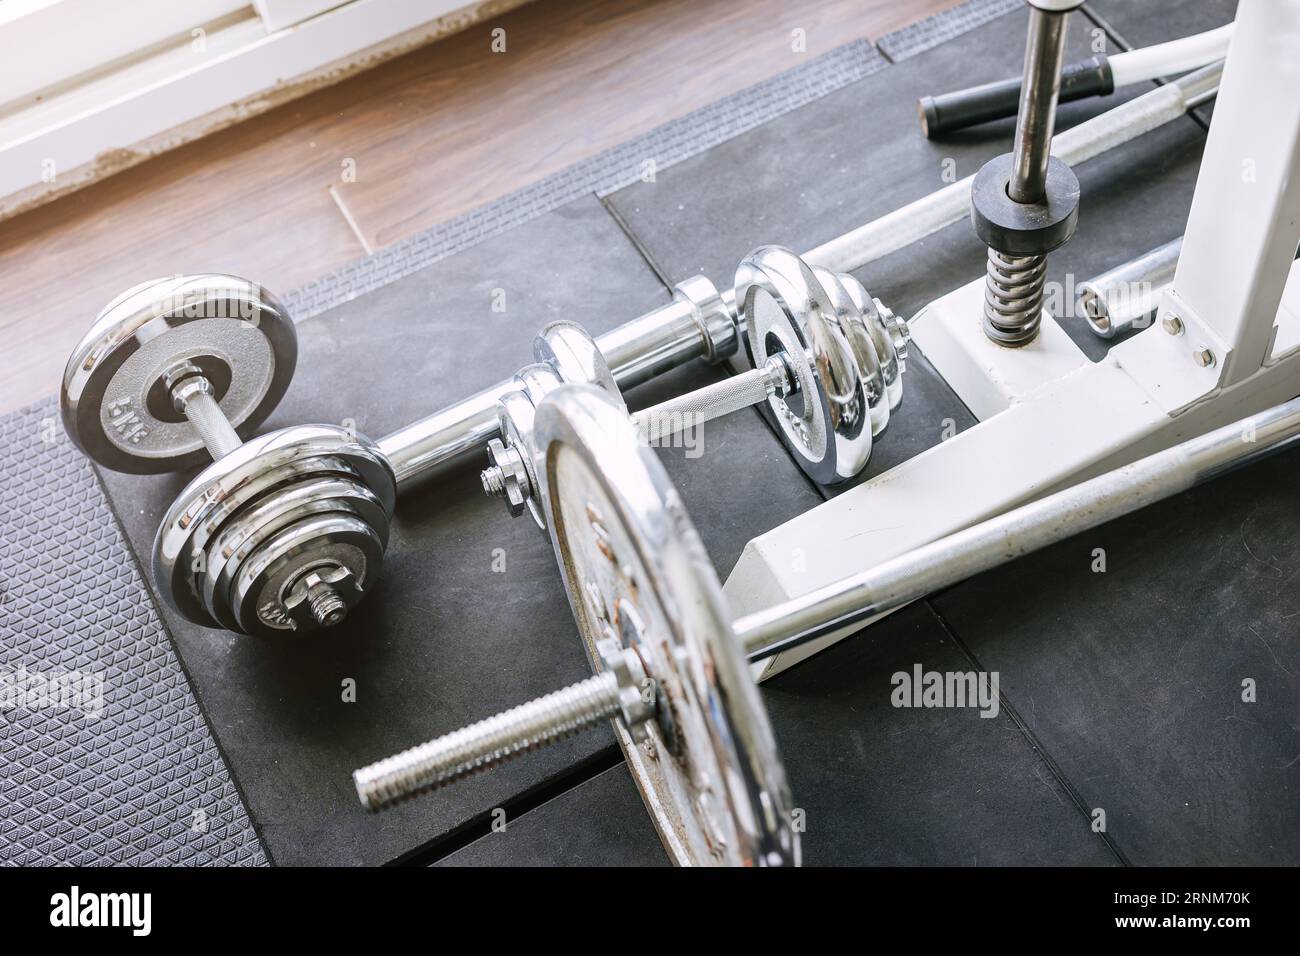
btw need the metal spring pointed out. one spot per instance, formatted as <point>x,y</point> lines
<point>1013,297</point>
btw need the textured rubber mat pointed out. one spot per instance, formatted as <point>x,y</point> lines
<point>104,755</point>
<point>929,33</point>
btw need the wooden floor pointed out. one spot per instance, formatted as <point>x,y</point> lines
<point>431,134</point>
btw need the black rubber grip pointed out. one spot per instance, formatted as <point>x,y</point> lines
<point>979,104</point>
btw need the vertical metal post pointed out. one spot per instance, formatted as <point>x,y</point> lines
<point>1039,91</point>
<point>1244,223</point>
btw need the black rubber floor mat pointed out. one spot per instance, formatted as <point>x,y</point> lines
<point>104,756</point>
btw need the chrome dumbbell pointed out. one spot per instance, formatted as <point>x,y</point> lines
<point>671,664</point>
<point>285,533</point>
<point>828,359</point>
<point>281,533</point>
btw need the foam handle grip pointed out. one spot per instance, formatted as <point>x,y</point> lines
<point>948,112</point>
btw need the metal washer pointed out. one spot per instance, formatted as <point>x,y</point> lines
<point>633,566</point>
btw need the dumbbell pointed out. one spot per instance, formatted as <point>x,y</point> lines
<point>283,532</point>
<point>672,666</point>
<point>287,532</point>
<point>828,361</point>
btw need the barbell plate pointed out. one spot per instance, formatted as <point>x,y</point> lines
<point>115,407</point>
<point>633,566</point>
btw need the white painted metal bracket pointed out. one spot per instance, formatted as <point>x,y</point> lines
<point>1092,419</point>
<point>988,377</point>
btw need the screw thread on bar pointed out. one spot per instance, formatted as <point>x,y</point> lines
<point>1013,297</point>
<point>494,482</point>
<point>489,742</point>
<point>327,606</point>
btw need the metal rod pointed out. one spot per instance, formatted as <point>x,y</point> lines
<point>1018,532</point>
<point>1128,295</point>
<point>925,216</point>
<point>733,393</point>
<point>1039,91</point>
<point>490,742</point>
<point>667,337</point>
<point>194,399</point>
<point>636,351</point>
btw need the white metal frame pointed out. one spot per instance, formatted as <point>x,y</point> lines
<point>1049,417</point>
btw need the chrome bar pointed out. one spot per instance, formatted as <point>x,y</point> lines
<point>1127,296</point>
<point>1018,532</point>
<point>636,351</point>
<point>1039,91</point>
<point>927,215</point>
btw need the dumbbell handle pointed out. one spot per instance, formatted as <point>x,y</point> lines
<point>713,401</point>
<point>636,351</point>
<point>194,399</point>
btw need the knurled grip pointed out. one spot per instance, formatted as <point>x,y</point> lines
<point>203,412</point>
<point>713,401</point>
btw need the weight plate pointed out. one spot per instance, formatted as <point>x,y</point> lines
<point>633,566</point>
<point>253,526</point>
<point>113,404</point>
<point>827,422</point>
<point>259,467</point>
<point>851,324</point>
<point>332,539</point>
<point>572,352</point>
<point>891,357</point>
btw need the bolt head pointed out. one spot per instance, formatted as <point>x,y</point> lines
<point>1203,357</point>
<point>1172,324</point>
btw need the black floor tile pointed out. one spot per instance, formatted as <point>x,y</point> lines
<point>1133,678</point>
<point>601,822</point>
<point>888,785</point>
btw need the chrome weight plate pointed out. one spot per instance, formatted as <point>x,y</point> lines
<point>346,550</point>
<point>257,471</point>
<point>826,423</point>
<point>634,568</point>
<point>888,333</point>
<point>851,324</point>
<point>572,352</point>
<point>271,515</point>
<point>567,354</point>
<point>114,405</point>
